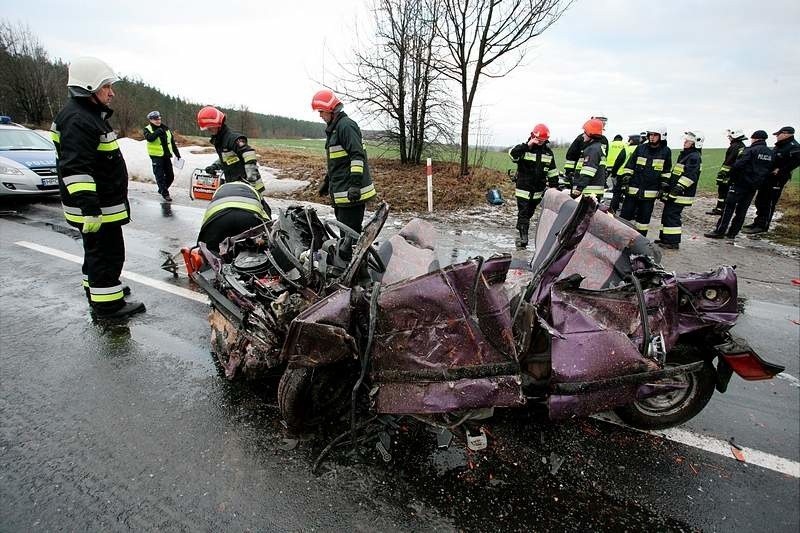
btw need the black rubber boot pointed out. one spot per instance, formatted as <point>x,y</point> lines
<point>128,309</point>
<point>522,241</point>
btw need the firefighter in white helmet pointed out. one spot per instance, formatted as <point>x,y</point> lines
<point>93,180</point>
<point>681,190</point>
<point>736,138</point>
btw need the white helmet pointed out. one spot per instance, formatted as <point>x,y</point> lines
<point>88,74</point>
<point>735,134</point>
<point>661,130</point>
<point>696,137</point>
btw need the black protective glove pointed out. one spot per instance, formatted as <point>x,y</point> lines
<point>324,188</point>
<point>723,178</point>
<point>575,193</point>
<point>354,194</point>
<point>211,169</point>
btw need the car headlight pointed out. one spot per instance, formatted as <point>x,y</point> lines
<point>10,171</point>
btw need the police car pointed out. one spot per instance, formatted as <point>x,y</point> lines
<point>27,162</point>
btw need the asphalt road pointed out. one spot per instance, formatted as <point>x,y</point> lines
<point>132,427</point>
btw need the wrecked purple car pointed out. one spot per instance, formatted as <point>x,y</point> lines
<point>592,323</point>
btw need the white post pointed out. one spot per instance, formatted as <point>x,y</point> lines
<point>430,186</point>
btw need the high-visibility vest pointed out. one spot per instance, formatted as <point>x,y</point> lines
<point>156,148</point>
<point>613,151</point>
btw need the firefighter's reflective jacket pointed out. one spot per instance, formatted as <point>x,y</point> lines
<point>536,169</point>
<point>235,195</point>
<point>573,158</point>
<point>236,158</point>
<point>648,167</point>
<point>347,161</point>
<point>734,151</point>
<point>590,180</point>
<point>160,142</point>
<point>92,175</point>
<point>685,175</point>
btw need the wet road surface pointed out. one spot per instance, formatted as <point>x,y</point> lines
<point>132,427</point>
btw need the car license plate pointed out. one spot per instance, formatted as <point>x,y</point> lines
<point>49,182</point>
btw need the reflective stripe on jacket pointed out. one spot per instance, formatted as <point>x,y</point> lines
<point>686,173</point>
<point>92,175</point>
<point>234,195</point>
<point>347,161</point>
<point>648,166</point>
<point>591,179</point>
<point>536,166</point>
<point>158,145</point>
<point>234,156</point>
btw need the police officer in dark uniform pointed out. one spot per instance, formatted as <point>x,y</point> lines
<point>235,207</point>
<point>747,174</point>
<point>786,153</point>
<point>590,180</point>
<point>236,158</point>
<point>735,149</point>
<point>536,170</point>
<point>682,188</point>
<point>348,181</point>
<point>648,171</point>
<point>573,158</point>
<point>161,147</point>
<point>93,180</point>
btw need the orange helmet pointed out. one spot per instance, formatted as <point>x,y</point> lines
<point>593,127</point>
<point>210,117</point>
<point>324,100</point>
<point>540,131</point>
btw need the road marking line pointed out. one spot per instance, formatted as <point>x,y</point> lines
<point>713,445</point>
<point>681,436</point>
<point>133,276</point>
<point>790,378</point>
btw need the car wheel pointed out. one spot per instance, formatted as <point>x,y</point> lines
<point>307,397</point>
<point>676,406</point>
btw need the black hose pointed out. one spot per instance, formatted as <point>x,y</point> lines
<point>336,441</point>
<point>643,312</point>
<point>373,312</point>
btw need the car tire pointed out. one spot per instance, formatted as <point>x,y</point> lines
<point>308,397</point>
<point>675,407</point>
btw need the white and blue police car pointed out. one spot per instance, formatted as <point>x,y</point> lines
<point>27,162</point>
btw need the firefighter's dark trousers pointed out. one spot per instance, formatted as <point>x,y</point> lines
<point>767,200</point>
<point>736,204</point>
<point>722,193</point>
<point>525,210</point>
<point>638,211</point>
<point>162,170</point>
<point>103,257</point>
<point>670,232</point>
<point>351,216</point>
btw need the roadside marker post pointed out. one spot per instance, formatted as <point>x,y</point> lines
<point>430,186</point>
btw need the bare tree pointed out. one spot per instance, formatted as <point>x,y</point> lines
<point>393,80</point>
<point>489,38</point>
<point>28,78</point>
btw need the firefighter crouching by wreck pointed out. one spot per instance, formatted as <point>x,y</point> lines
<point>348,181</point>
<point>648,167</point>
<point>735,149</point>
<point>536,170</point>
<point>679,192</point>
<point>93,181</point>
<point>590,180</point>
<point>236,158</point>
<point>235,207</point>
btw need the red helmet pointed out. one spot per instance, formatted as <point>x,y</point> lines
<point>540,131</point>
<point>324,100</point>
<point>210,117</point>
<point>593,127</point>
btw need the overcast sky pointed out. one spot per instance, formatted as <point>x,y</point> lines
<point>707,65</point>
